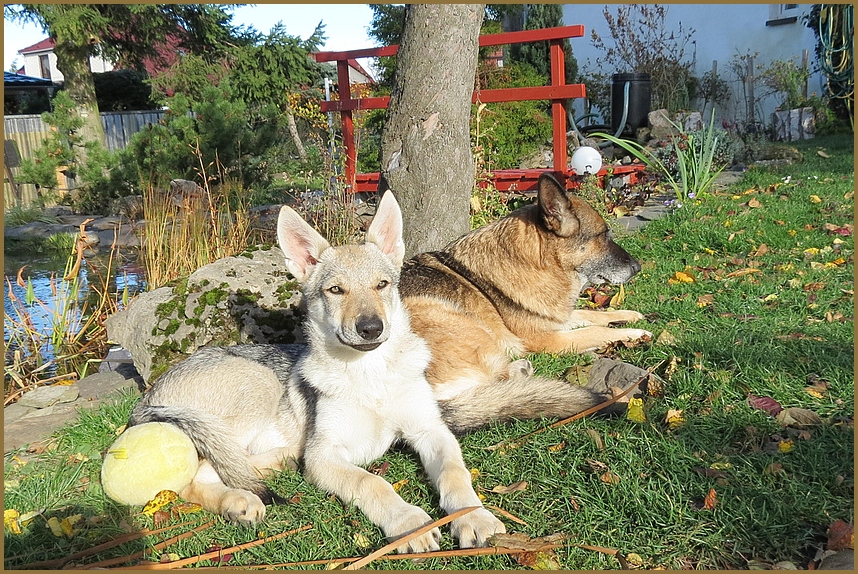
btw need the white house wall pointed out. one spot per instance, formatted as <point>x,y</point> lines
<point>32,67</point>
<point>721,31</point>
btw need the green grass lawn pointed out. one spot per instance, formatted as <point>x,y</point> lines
<point>769,314</point>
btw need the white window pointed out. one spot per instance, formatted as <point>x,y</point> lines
<point>44,67</point>
<point>782,14</point>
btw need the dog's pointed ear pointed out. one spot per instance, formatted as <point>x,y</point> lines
<point>300,243</point>
<point>555,207</point>
<point>386,229</point>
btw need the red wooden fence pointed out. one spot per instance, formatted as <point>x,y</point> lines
<point>505,180</point>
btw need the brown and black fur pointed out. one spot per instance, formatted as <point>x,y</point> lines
<point>508,289</point>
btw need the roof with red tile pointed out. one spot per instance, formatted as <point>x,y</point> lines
<point>43,46</point>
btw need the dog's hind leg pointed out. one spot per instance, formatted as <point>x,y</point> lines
<point>582,340</point>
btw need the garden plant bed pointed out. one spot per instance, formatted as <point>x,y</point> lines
<point>749,293</point>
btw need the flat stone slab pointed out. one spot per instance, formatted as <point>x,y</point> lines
<point>14,412</point>
<point>29,430</point>
<point>24,425</point>
<point>44,397</point>
<point>98,385</point>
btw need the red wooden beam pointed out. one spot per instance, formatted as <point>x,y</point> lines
<point>347,124</point>
<point>541,35</point>
<point>558,109</point>
<point>522,180</point>
<point>557,92</point>
<point>566,92</point>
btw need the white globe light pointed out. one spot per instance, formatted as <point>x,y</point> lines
<point>586,160</point>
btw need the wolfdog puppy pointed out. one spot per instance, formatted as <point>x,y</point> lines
<point>335,405</point>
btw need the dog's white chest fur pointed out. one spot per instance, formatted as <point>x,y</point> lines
<point>365,405</point>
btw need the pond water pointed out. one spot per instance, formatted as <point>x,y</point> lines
<point>39,269</point>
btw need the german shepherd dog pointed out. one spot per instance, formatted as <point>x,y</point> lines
<point>510,288</point>
<point>340,402</point>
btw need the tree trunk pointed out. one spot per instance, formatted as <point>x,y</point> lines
<point>73,62</point>
<point>425,147</point>
<point>296,137</point>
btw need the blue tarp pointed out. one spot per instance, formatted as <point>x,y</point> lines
<point>20,81</point>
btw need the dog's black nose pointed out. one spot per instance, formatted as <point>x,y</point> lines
<point>369,328</point>
<point>636,266</point>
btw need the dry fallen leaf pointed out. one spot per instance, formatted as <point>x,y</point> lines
<point>361,541</point>
<point>682,277</point>
<point>821,153</point>
<point>665,338</point>
<point>774,468</point>
<point>161,500</point>
<point>542,560</point>
<point>54,525</point>
<point>705,300</point>
<point>160,518</point>
<point>610,478</point>
<point>743,272</point>
<point>596,438</point>
<point>786,445</point>
<point>674,418</point>
<point>767,404</point>
<point>399,484</point>
<point>754,203</point>
<point>711,500</point>
<point>10,520</point>
<point>514,487</point>
<point>635,412</point>
<point>797,417</point>
<point>761,250</point>
<point>841,536</point>
<point>557,447</point>
<point>815,199</point>
<point>618,299</point>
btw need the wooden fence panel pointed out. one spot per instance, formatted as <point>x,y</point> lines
<point>29,131</point>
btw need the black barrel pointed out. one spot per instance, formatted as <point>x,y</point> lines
<point>640,101</point>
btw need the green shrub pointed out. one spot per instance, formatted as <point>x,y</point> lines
<point>725,153</point>
<point>513,130</point>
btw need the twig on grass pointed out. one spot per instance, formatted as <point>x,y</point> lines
<point>503,512</point>
<point>582,414</point>
<point>130,537</point>
<point>141,554</point>
<point>214,554</point>
<point>462,552</point>
<point>408,537</point>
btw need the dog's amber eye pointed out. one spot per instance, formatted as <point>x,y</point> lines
<point>382,284</point>
<point>336,290</point>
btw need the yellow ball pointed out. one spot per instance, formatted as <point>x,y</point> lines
<point>147,459</point>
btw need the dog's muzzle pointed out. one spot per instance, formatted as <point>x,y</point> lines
<point>369,329</point>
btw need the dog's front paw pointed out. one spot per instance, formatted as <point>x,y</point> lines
<point>409,521</point>
<point>475,528</point>
<point>242,507</point>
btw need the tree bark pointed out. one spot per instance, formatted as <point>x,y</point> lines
<point>73,62</point>
<point>425,147</point>
<point>296,137</point>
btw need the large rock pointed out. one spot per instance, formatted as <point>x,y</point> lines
<point>249,298</point>
<point>661,123</point>
<point>791,125</point>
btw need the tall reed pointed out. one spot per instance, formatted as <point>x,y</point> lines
<point>186,231</point>
<point>72,336</point>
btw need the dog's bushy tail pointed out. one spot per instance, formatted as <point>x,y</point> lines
<point>524,396</point>
<point>213,440</point>
<point>517,398</point>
